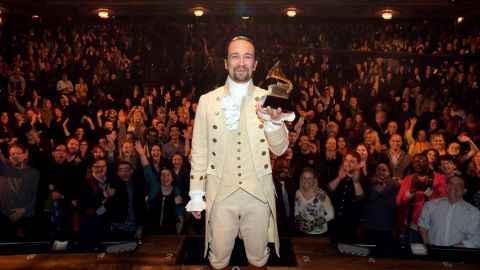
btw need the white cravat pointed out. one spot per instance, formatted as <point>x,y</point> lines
<point>231,104</point>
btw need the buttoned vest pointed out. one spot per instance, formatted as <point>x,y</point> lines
<point>239,169</point>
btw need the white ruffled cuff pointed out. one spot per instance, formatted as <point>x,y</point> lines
<point>275,125</point>
<point>196,202</point>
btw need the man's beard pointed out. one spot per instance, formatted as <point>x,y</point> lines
<point>245,77</point>
<point>241,78</point>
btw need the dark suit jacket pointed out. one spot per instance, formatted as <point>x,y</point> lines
<point>399,169</point>
<point>286,225</point>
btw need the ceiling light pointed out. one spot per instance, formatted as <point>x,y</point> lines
<point>387,14</point>
<point>103,13</point>
<point>460,19</point>
<point>291,12</point>
<point>198,12</point>
<point>35,16</point>
<point>245,17</point>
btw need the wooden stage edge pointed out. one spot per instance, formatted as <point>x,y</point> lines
<point>162,252</point>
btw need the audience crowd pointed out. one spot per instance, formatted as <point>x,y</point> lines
<point>96,124</point>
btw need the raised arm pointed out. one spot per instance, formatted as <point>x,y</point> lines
<point>152,183</point>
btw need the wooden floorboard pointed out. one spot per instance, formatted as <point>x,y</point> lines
<point>161,252</point>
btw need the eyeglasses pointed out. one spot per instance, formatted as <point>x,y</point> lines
<point>123,169</point>
<point>99,166</point>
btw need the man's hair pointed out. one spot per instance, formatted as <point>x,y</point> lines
<point>397,134</point>
<point>423,154</point>
<point>97,160</point>
<point>151,129</point>
<point>239,38</point>
<point>57,145</point>
<point>17,145</point>
<point>355,155</point>
<point>72,138</point>
<point>450,158</point>
<point>124,162</point>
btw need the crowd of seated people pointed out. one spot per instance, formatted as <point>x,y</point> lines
<point>93,150</point>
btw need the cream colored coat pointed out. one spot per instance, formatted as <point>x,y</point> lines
<point>209,151</point>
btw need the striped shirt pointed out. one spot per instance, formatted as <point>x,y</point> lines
<point>449,224</point>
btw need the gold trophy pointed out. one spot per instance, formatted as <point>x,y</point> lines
<point>278,93</point>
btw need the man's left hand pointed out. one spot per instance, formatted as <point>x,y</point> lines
<point>276,115</point>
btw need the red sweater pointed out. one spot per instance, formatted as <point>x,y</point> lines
<point>439,191</point>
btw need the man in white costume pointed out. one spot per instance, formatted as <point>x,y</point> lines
<point>232,137</point>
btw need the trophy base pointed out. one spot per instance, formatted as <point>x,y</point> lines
<point>278,102</point>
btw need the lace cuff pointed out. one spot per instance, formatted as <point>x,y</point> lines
<point>196,202</point>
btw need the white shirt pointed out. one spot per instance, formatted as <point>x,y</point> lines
<point>448,224</point>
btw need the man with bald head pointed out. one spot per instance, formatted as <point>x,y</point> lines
<point>237,185</point>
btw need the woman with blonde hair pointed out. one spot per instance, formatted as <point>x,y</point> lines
<point>438,143</point>
<point>372,142</point>
<point>313,208</point>
<point>136,121</point>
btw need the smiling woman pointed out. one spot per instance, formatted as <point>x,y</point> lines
<point>313,208</point>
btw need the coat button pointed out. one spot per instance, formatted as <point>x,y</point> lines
<point>218,98</point>
<point>240,182</point>
<point>239,133</point>
<point>238,150</point>
<point>260,126</point>
<point>217,113</point>
<point>213,153</point>
<point>266,166</point>
<point>239,174</point>
<point>239,142</point>
<point>214,126</point>
<point>239,166</point>
<point>214,140</point>
<point>191,176</point>
<point>262,140</point>
<point>201,177</point>
<point>238,158</point>
<point>257,98</point>
<point>211,166</point>
<point>264,153</point>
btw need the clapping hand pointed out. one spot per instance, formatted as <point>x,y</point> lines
<point>110,191</point>
<point>342,172</point>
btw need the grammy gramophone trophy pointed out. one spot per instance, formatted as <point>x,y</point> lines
<point>278,93</point>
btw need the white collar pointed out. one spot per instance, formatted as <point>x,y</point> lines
<point>238,89</point>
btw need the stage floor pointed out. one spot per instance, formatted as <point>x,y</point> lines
<point>165,252</point>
